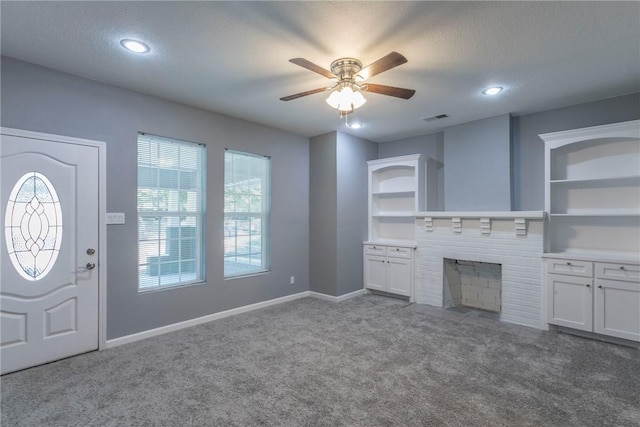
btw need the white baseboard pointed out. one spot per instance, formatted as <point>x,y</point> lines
<point>204,319</point>
<point>200,320</point>
<point>336,299</point>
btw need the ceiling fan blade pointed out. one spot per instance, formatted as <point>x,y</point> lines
<point>398,92</point>
<point>301,94</point>
<point>313,67</point>
<point>385,63</point>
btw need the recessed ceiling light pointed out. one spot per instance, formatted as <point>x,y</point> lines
<point>492,90</point>
<point>135,46</point>
<point>355,125</point>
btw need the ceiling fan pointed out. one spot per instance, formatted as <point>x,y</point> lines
<point>348,77</point>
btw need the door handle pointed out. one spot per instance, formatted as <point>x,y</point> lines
<point>83,268</point>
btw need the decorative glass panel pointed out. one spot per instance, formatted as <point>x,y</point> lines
<point>33,226</point>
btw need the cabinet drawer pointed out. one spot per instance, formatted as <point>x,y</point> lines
<point>375,250</point>
<point>399,252</point>
<point>570,267</point>
<point>626,272</point>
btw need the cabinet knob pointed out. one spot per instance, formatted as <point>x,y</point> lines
<point>599,286</point>
<point>568,263</point>
<point>588,286</point>
<point>621,267</point>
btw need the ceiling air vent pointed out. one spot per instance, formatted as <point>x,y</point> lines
<point>438,117</point>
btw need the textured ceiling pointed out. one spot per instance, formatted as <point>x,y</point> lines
<point>232,57</point>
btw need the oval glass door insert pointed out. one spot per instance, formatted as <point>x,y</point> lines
<point>33,226</point>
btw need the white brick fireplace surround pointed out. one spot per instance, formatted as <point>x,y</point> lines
<point>515,240</point>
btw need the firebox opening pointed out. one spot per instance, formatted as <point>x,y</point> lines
<point>473,284</point>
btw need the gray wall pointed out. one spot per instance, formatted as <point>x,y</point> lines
<point>429,145</point>
<point>432,146</point>
<point>352,173</point>
<point>38,99</point>
<point>528,148</point>
<point>338,211</point>
<point>323,214</point>
<point>477,165</point>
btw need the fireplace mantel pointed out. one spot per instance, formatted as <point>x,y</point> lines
<point>491,215</point>
<point>519,219</point>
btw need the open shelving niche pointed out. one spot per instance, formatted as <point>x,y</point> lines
<point>398,188</point>
<point>592,192</point>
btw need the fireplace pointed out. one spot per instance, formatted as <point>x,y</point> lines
<point>505,244</point>
<point>472,284</point>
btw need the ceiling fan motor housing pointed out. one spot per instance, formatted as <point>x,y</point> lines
<point>346,70</point>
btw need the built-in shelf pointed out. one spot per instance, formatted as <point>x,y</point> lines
<point>592,189</point>
<point>592,241</point>
<point>408,193</point>
<point>397,189</point>
<point>627,179</point>
<point>599,213</point>
<point>398,214</point>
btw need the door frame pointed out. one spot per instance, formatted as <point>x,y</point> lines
<point>102,214</point>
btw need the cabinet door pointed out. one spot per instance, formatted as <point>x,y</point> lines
<point>375,272</point>
<point>399,276</point>
<point>617,309</point>
<point>570,301</point>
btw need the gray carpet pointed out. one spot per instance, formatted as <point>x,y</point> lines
<point>368,361</point>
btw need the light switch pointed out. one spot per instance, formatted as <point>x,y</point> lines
<point>115,217</point>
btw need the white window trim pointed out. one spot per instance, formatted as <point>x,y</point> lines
<point>265,216</point>
<point>200,216</point>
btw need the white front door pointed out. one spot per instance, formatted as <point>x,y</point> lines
<point>49,250</point>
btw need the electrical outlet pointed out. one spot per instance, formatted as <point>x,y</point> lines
<point>292,280</point>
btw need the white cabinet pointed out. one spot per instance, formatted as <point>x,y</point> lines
<point>592,199</point>
<point>397,190</point>
<point>399,187</point>
<point>388,268</point>
<point>594,296</point>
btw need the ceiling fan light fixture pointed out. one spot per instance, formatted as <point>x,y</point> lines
<point>346,99</point>
<point>334,99</point>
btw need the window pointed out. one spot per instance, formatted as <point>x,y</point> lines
<point>170,212</point>
<point>246,213</point>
